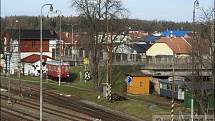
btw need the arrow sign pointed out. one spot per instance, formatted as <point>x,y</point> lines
<point>129,79</point>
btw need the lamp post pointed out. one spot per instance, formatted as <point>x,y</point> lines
<point>73,43</point>
<point>41,56</point>
<point>19,61</point>
<point>195,5</point>
<point>60,57</point>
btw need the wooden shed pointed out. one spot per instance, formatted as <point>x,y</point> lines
<point>139,84</point>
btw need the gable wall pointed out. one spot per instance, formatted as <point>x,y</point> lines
<point>159,49</point>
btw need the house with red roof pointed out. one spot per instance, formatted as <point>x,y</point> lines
<point>31,64</point>
<point>169,46</point>
<point>162,51</point>
<point>25,44</point>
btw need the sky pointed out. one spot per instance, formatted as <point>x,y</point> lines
<point>170,10</point>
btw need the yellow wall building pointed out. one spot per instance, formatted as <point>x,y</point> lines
<point>159,49</point>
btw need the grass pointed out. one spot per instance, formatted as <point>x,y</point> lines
<point>139,106</point>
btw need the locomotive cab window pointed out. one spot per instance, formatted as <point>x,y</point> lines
<point>53,67</point>
<point>66,68</point>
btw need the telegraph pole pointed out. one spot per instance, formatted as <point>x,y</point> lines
<point>19,61</point>
<point>109,50</point>
<point>213,47</point>
<point>173,86</point>
<point>195,4</point>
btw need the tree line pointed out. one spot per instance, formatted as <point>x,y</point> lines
<point>33,22</point>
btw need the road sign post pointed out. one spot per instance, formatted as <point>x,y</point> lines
<point>87,76</point>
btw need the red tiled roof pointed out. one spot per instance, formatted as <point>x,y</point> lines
<point>179,44</point>
<point>34,58</point>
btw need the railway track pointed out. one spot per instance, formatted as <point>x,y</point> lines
<point>73,104</point>
<point>69,103</point>
<point>46,109</point>
<point>18,114</point>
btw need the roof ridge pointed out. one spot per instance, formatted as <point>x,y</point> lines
<point>186,41</point>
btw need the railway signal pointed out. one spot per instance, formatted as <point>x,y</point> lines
<point>87,75</point>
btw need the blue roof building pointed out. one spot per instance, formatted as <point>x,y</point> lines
<point>176,33</point>
<point>151,38</point>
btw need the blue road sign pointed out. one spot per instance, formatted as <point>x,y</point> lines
<point>129,79</point>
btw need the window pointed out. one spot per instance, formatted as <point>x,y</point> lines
<point>67,51</point>
<point>176,88</point>
<point>53,68</point>
<point>158,59</point>
<point>160,85</point>
<point>141,83</point>
<point>164,86</point>
<point>53,53</point>
<point>168,86</point>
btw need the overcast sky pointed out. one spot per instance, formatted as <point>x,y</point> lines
<point>174,10</point>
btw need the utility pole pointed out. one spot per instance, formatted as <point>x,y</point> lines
<point>19,61</point>
<point>195,4</point>
<point>173,86</point>
<point>9,52</point>
<point>213,48</point>
<point>8,74</point>
<point>109,50</point>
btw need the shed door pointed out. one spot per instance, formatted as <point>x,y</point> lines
<point>180,94</point>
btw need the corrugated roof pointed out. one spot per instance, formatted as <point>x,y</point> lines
<point>151,38</point>
<point>179,44</point>
<point>34,58</point>
<point>141,48</point>
<point>177,33</point>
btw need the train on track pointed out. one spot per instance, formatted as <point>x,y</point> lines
<point>54,68</point>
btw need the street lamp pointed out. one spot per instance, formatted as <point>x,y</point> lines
<point>41,55</point>
<point>59,77</point>
<point>73,42</point>
<point>19,62</point>
<point>195,5</point>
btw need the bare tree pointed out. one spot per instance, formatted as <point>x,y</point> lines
<point>203,54</point>
<point>97,16</point>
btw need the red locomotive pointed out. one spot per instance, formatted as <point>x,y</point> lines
<point>53,68</point>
